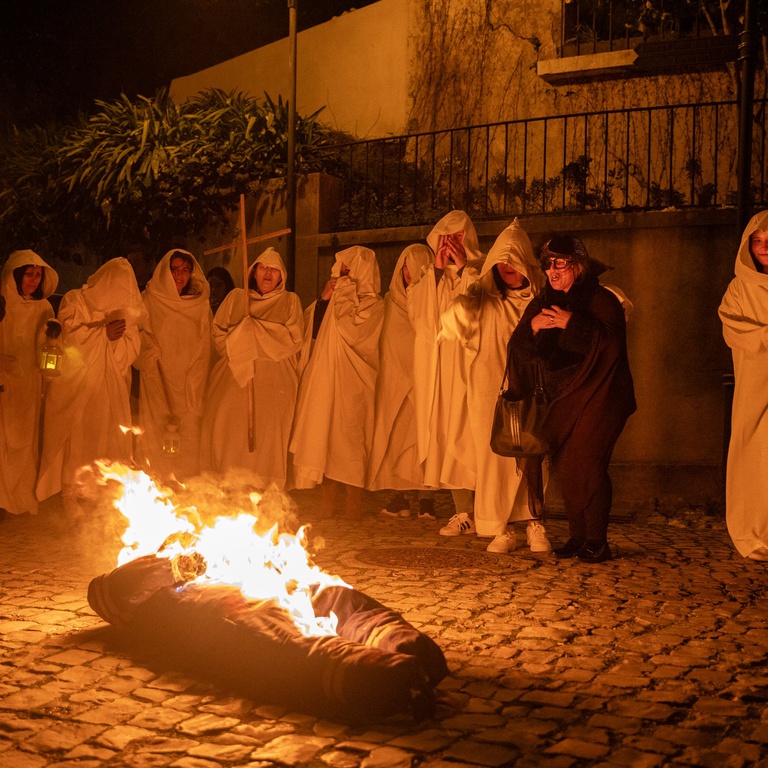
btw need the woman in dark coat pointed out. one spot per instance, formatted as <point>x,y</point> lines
<point>576,332</point>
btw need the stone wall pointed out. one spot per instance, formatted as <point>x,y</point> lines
<point>478,62</point>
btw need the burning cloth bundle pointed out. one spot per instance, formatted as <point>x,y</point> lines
<point>362,662</point>
<point>377,665</point>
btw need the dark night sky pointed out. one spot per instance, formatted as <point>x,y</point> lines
<point>57,56</point>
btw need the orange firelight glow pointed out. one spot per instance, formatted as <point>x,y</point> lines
<point>269,565</point>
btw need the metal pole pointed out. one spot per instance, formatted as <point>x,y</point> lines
<point>290,203</point>
<point>747,55</point>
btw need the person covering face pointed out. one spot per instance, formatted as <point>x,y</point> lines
<point>394,460</point>
<point>90,401</point>
<point>439,375</point>
<point>744,314</point>
<point>333,428</point>
<point>255,380</point>
<point>26,283</point>
<point>175,362</point>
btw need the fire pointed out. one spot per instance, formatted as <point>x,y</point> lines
<point>229,550</point>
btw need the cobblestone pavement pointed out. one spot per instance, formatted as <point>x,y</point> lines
<point>655,658</point>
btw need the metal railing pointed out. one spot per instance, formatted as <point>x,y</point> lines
<point>592,26</point>
<point>647,158</point>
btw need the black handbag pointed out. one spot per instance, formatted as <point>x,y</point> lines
<point>517,421</point>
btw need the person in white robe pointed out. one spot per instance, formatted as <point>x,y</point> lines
<point>482,320</point>
<point>744,314</point>
<point>445,440</point>
<point>26,283</point>
<point>254,383</point>
<point>89,403</point>
<point>174,365</point>
<point>333,429</point>
<point>394,459</point>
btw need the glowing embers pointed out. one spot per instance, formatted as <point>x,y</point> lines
<point>220,544</point>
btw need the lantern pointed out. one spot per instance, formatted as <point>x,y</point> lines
<point>51,353</point>
<point>171,439</point>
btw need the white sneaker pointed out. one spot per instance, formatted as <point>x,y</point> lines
<point>504,543</point>
<point>537,537</point>
<point>458,524</point>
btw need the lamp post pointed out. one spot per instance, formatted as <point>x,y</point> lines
<point>747,55</point>
<point>290,203</point>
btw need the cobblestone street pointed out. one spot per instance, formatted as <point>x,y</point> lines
<point>655,658</point>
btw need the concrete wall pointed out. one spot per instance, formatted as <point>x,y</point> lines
<point>355,65</point>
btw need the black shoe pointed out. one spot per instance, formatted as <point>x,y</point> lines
<point>595,552</point>
<point>397,507</point>
<point>571,548</point>
<point>426,509</point>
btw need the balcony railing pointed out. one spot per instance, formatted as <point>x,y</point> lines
<point>649,158</point>
<point>593,26</point>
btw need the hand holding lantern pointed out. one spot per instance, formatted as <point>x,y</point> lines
<point>52,353</point>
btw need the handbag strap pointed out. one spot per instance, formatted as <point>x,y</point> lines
<point>538,379</point>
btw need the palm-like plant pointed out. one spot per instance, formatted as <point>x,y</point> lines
<point>152,169</point>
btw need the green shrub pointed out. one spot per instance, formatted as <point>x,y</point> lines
<point>147,170</point>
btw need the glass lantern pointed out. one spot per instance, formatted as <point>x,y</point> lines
<point>171,440</point>
<point>51,358</point>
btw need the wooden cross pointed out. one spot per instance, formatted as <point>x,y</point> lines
<point>244,242</point>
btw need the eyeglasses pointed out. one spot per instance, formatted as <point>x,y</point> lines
<point>558,263</point>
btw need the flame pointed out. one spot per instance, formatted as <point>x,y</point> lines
<point>269,565</point>
<point>131,430</point>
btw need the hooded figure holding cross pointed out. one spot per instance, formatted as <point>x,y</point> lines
<point>254,382</point>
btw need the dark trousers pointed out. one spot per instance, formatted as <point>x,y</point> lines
<point>581,464</point>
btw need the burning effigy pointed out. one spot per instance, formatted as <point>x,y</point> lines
<point>234,600</point>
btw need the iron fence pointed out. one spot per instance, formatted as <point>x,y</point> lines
<point>645,158</point>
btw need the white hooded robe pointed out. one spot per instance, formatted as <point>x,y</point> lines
<point>21,382</point>
<point>177,334</point>
<point>333,429</point>
<point>258,358</point>
<point>744,314</point>
<point>444,435</point>
<point>482,321</point>
<point>394,460</point>
<point>90,401</point>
